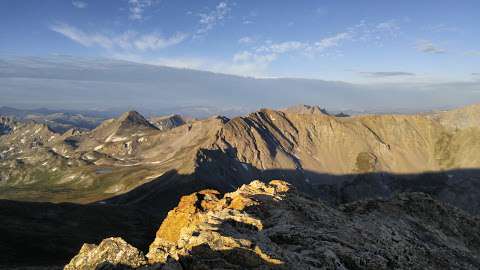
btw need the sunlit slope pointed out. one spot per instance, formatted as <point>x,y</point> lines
<point>306,146</point>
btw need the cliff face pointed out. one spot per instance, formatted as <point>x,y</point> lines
<point>273,226</point>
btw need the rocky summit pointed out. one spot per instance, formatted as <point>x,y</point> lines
<point>274,226</point>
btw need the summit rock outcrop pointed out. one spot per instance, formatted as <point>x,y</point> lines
<point>273,226</point>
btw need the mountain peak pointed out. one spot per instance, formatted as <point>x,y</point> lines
<point>133,117</point>
<point>128,124</point>
<point>306,109</point>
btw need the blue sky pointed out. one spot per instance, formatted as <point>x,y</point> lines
<point>355,41</point>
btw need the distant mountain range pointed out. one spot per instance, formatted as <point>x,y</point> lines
<point>58,120</point>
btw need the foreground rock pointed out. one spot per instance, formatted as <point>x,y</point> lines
<point>272,226</point>
<point>110,252</point>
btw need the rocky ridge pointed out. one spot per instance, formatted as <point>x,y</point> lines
<point>273,226</point>
<point>303,145</point>
<point>168,122</point>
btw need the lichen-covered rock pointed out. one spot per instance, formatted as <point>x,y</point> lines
<point>111,253</point>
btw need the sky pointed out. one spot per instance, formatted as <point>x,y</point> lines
<point>369,41</point>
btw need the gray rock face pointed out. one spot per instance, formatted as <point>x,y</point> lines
<point>168,122</point>
<point>272,226</point>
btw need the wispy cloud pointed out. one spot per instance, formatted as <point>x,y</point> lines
<point>304,47</point>
<point>333,41</point>
<point>255,62</point>
<point>138,7</point>
<point>79,4</point>
<point>155,42</point>
<point>81,37</point>
<point>259,56</point>
<point>128,40</point>
<point>210,19</point>
<point>385,74</point>
<point>282,47</point>
<point>427,46</point>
